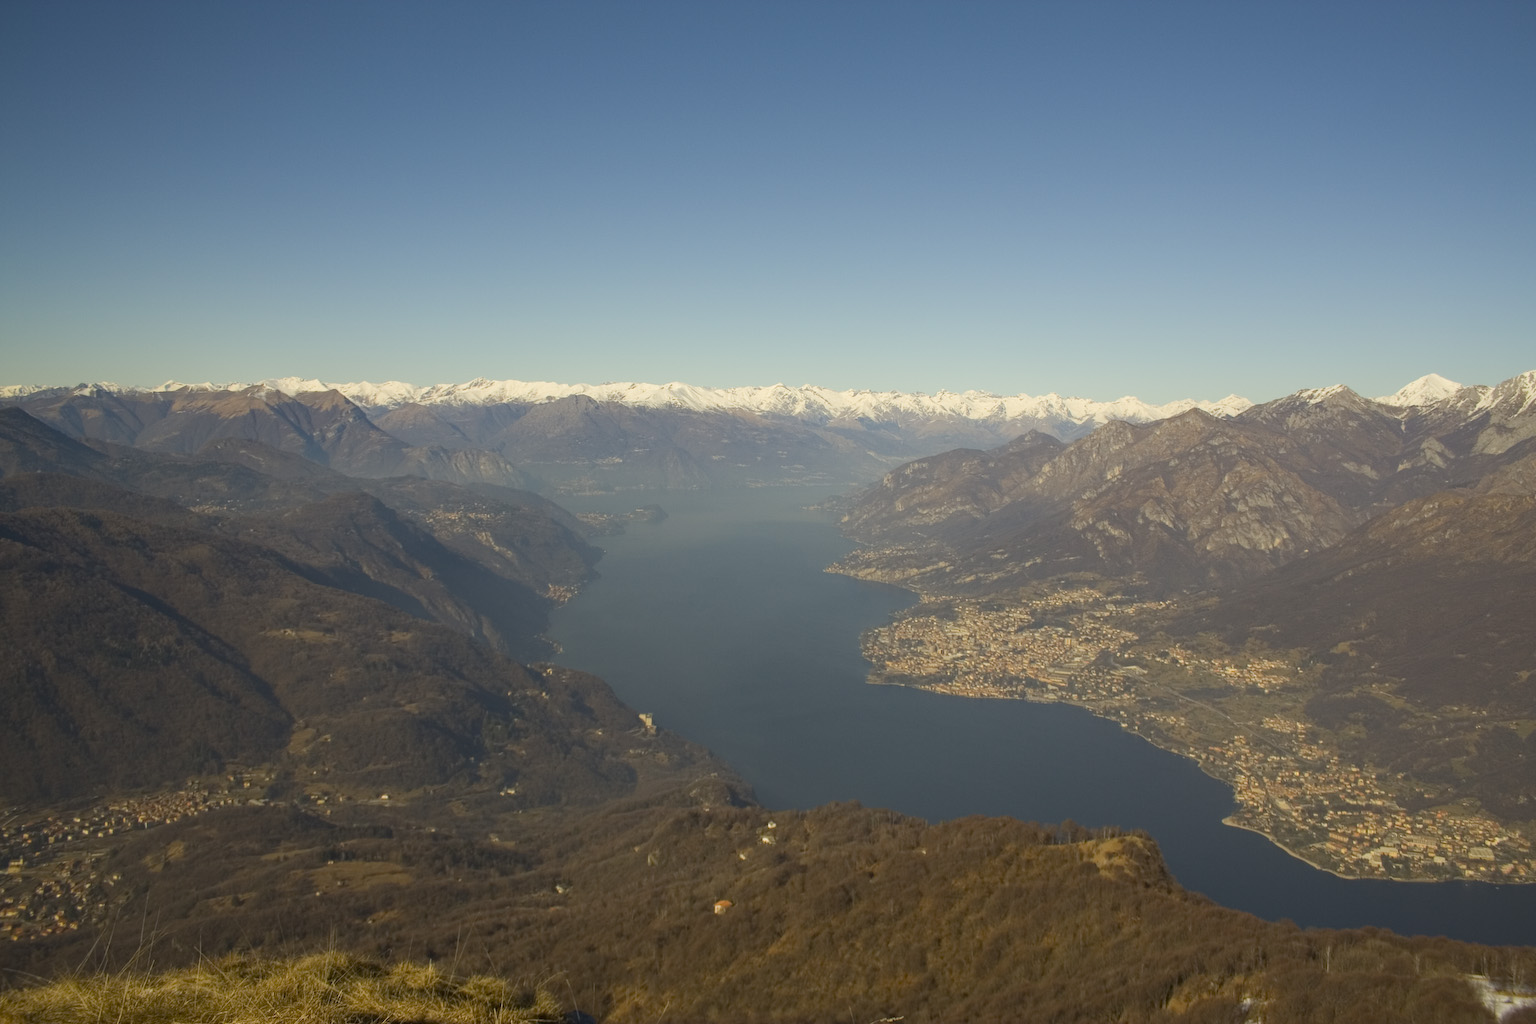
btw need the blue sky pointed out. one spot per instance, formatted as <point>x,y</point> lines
<point>1161,199</point>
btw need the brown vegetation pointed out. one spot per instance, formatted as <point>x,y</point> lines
<point>840,913</point>
<point>322,988</point>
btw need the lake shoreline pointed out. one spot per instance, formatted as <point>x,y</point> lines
<point>721,622</point>
<point>1229,820</point>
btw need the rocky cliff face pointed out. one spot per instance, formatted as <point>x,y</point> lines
<point>489,561</point>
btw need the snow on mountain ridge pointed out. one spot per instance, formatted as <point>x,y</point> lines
<point>806,402</point>
<point>1516,396</point>
<point>809,401</point>
<point>1427,390</point>
<point>176,385</point>
<point>1316,396</point>
<point>1513,397</point>
<point>812,401</point>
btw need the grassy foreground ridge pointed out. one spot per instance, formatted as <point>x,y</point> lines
<point>323,988</point>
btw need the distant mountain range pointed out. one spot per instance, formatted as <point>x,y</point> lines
<point>594,438</point>
<point>1195,498</point>
<point>808,402</point>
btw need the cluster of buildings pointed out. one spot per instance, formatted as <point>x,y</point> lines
<point>53,880</point>
<point>980,649</point>
<point>57,900</point>
<point>1239,721</point>
<point>20,842</point>
<point>1348,820</point>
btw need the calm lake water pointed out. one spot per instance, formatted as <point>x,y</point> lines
<point>720,621</point>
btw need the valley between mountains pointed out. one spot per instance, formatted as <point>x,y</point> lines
<point>275,679</point>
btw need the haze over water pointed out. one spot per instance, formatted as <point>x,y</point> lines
<point>721,622</point>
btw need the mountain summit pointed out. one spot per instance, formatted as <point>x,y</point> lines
<point>1427,390</point>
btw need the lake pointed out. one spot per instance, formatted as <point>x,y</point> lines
<point>720,621</point>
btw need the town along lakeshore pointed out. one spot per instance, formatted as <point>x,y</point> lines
<point>721,622</point>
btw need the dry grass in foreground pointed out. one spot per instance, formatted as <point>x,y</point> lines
<point>325,988</point>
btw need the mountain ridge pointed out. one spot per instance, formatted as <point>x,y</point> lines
<point>586,439</point>
<point>804,402</point>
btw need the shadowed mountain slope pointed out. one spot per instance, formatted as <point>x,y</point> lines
<point>324,427</point>
<point>148,652</point>
<point>490,562</point>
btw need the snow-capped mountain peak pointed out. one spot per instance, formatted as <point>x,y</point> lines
<point>1427,390</point>
<point>1320,396</point>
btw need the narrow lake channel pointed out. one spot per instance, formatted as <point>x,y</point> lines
<point>721,622</point>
